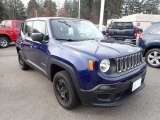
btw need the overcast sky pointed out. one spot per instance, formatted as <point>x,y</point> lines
<point>58,2</point>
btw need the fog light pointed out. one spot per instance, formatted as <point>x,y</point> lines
<point>104,87</point>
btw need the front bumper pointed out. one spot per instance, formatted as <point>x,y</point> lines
<point>110,94</point>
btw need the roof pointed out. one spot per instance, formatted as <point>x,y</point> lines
<point>48,18</point>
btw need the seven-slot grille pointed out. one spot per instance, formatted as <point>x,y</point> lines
<point>128,62</point>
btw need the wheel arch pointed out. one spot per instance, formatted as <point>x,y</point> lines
<point>7,36</point>
<point>149,48</point>
<point>60,66</point>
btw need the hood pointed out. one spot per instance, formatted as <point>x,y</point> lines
<point>103,49</point>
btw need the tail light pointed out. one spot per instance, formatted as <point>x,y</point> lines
<point>107,31</point>
<point>136,32</point>
<point>141,36</point>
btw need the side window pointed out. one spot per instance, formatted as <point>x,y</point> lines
<point>27,29</point>
<point>40,27</point>
<point>18,24</point>
<point>3,23</point>
<point>8,24</point>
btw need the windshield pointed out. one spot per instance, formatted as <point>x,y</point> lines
<point>75,30</point>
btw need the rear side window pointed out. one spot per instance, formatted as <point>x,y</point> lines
<point>18,24</point>
<point>154,29</point>
<point>8,24</point>
<point>122,25</point>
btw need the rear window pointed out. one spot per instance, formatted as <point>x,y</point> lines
<point>18,24</point>
<point>154,29</point>
<point>122,25</point>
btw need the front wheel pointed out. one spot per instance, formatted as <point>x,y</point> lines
<point>64,90</point>
<point>152,58</point>
<point>4,42</point>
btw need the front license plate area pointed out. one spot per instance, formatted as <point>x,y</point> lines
<point>136,84</point>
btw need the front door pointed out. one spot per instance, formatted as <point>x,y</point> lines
<point>39,50</point>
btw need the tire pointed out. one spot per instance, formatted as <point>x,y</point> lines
<point>4,42</point>
<point>64,90</point>
<point>152,58</point>
<point>21,61</point>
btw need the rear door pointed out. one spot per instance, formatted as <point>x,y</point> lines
<point>26,38</point>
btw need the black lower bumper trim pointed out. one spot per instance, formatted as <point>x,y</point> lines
<point>110,94</point>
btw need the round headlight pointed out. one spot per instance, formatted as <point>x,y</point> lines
<point>105,65</point>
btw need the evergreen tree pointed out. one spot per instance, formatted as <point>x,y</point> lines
<point>68,8</point>
<point>14,9</point>
<point>151,6</point>
<point>50,8</point>
<point>74,12</point>
<point>1,10</point>
<point>32,9</point>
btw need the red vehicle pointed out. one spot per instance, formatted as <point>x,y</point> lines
<point>9,30</point>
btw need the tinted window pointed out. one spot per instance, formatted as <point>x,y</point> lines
<point>28,29</point>
<point>18,24</point>
<point>122,25</point>
<point>8,24</point>
<point>154,28</point>
<point>75,30</point>
<point>39,27</point>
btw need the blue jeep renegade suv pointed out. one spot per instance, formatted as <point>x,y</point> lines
<point>83,65</point>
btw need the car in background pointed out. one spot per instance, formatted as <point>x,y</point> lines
<point>149,40</point>
<point>123,31</point>
<point>9,30</point>
<point>103,29</point>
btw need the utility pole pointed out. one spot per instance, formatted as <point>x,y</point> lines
<point>79,11</point>
<point>36,12</point>
<point>101,14</point>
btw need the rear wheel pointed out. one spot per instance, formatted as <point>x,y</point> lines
<point>152,58</point>
<point>4,42</point>
<point>21,61</point>
<point>64,90</point>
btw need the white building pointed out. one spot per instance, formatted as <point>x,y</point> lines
<point>139,20</point>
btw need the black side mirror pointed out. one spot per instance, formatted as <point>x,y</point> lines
<point>2,25</point>
<point>140,31</point>
<point>37,37</point>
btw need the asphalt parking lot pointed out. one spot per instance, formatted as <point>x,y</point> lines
<point>29,96</point>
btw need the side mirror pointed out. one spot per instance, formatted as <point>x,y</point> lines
<point>104,32</point>
<point>2,25</point>
<point>140,31</point>
<point>37,37</point>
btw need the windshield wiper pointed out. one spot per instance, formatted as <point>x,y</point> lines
<point>65,23</point>
<point>70,40</point>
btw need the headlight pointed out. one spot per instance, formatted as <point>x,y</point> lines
<point>104,65</point>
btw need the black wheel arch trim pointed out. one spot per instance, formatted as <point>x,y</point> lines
<point>66,67</point>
